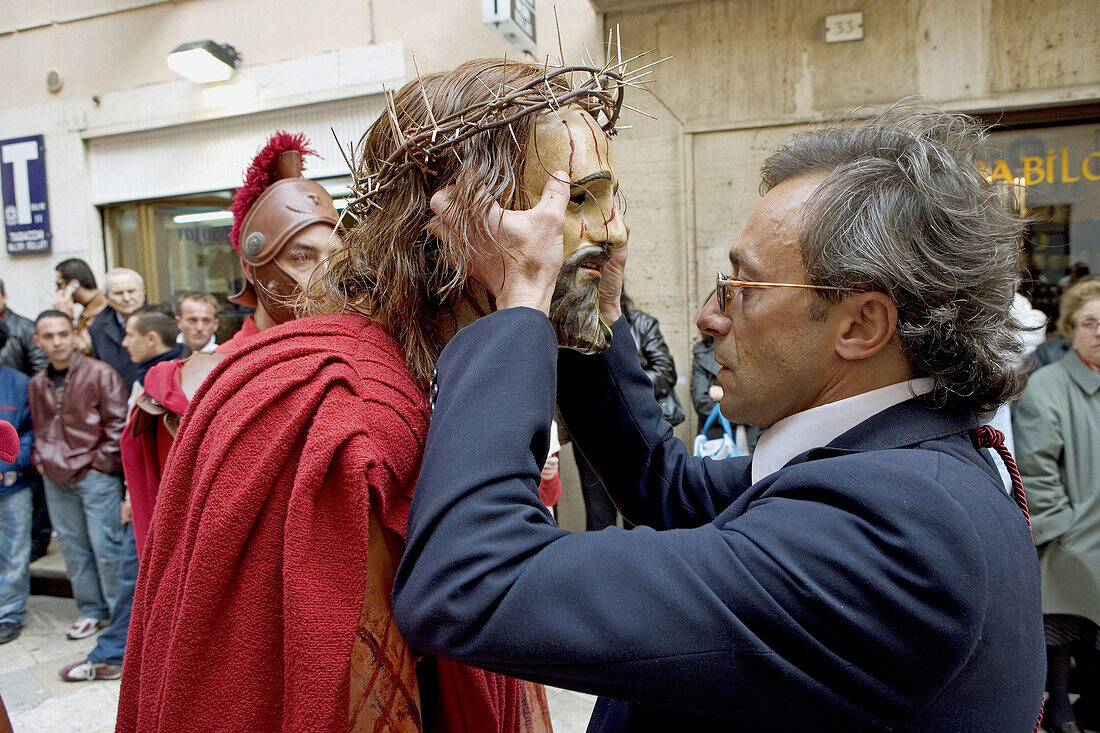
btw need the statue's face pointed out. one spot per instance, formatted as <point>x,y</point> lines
<point>570,140</point>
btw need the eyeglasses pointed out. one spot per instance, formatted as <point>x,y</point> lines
<point>1089,324</point>
<point>725,288</point>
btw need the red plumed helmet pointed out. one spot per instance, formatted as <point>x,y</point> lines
<point>275,204</point>
<point>262,172</point>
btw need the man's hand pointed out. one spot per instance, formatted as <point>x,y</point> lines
<point>124,512</point>
<point>611,284</point>
<point>550,468</point>
<point>63,300</point>
<point>520,261</point>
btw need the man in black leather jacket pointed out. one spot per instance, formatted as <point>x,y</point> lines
<point>20,353</point>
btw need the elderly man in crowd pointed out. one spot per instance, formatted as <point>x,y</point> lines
<point>865,570</point>
<point>125,290</point>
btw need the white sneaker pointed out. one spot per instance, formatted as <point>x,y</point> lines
<point>84,627</point>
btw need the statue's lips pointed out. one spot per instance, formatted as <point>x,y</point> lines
<point>589,260</point>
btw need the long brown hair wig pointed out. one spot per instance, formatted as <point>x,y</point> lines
<point>391,268</point>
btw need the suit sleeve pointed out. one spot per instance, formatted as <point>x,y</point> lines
<point>714,618</point>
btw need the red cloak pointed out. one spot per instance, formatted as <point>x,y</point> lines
<point>251,593</point>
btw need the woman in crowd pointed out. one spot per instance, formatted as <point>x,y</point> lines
<point>1057,427</point>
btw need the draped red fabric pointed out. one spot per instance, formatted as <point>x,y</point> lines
<point>252,581</point>
<point>139,464</point>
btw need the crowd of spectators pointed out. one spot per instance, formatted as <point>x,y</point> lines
<point>67,381</point>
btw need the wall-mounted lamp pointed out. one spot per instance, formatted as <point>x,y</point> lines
<point>204,61</point>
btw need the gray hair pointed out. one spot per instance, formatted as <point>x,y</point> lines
<point>904,210</point>
<point>124,271</point>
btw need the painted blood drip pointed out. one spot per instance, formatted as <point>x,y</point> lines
<point>595,139</point>
<point>572,147</point>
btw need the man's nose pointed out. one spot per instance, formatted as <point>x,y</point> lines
<point>711,320</point>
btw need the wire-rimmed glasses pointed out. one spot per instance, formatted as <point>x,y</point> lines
<point>724,286</point>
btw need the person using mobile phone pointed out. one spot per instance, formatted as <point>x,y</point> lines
<point>76,285</point>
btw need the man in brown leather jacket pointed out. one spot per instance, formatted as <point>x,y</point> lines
<point>78,409</point>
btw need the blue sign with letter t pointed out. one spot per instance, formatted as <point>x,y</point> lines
<point>26,204</point>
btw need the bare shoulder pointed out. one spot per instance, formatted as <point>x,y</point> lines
<point>195,369</point>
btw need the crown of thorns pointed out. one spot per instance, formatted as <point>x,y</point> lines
<point>600,92</point>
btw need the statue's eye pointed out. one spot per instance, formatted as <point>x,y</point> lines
<point>577,199</point>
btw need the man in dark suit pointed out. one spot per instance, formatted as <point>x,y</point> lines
<point>865,570</point>
<point>125,290</point>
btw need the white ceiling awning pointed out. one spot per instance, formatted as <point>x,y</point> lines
<point>212,156</point>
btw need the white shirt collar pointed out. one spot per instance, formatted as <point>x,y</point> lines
<point>819,426</point>
<point>205,349</point>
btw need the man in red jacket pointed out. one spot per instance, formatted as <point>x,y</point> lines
<point>78,409</point>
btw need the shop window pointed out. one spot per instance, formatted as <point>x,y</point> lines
<point>182,244</point>
<point>1056,171</point>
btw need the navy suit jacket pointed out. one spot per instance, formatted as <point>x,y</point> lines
<point>885,582</point>
<point>106,334</point>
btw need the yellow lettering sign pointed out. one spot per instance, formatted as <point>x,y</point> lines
<point>1065,169</point>
<point>1086,171</point>
<point>1033,171</point>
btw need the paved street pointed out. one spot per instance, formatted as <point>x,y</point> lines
<point>36,697</point>
<point>38,700</point>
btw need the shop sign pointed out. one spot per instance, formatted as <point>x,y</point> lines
<point>1057,166</point>
<point>26,205</point>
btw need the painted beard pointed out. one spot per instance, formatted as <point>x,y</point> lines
<point>575,307</point>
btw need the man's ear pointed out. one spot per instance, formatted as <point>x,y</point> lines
<point>248,274</point>
<point>867,325</point>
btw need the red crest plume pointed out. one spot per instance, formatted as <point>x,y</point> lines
<point>261,174</point>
